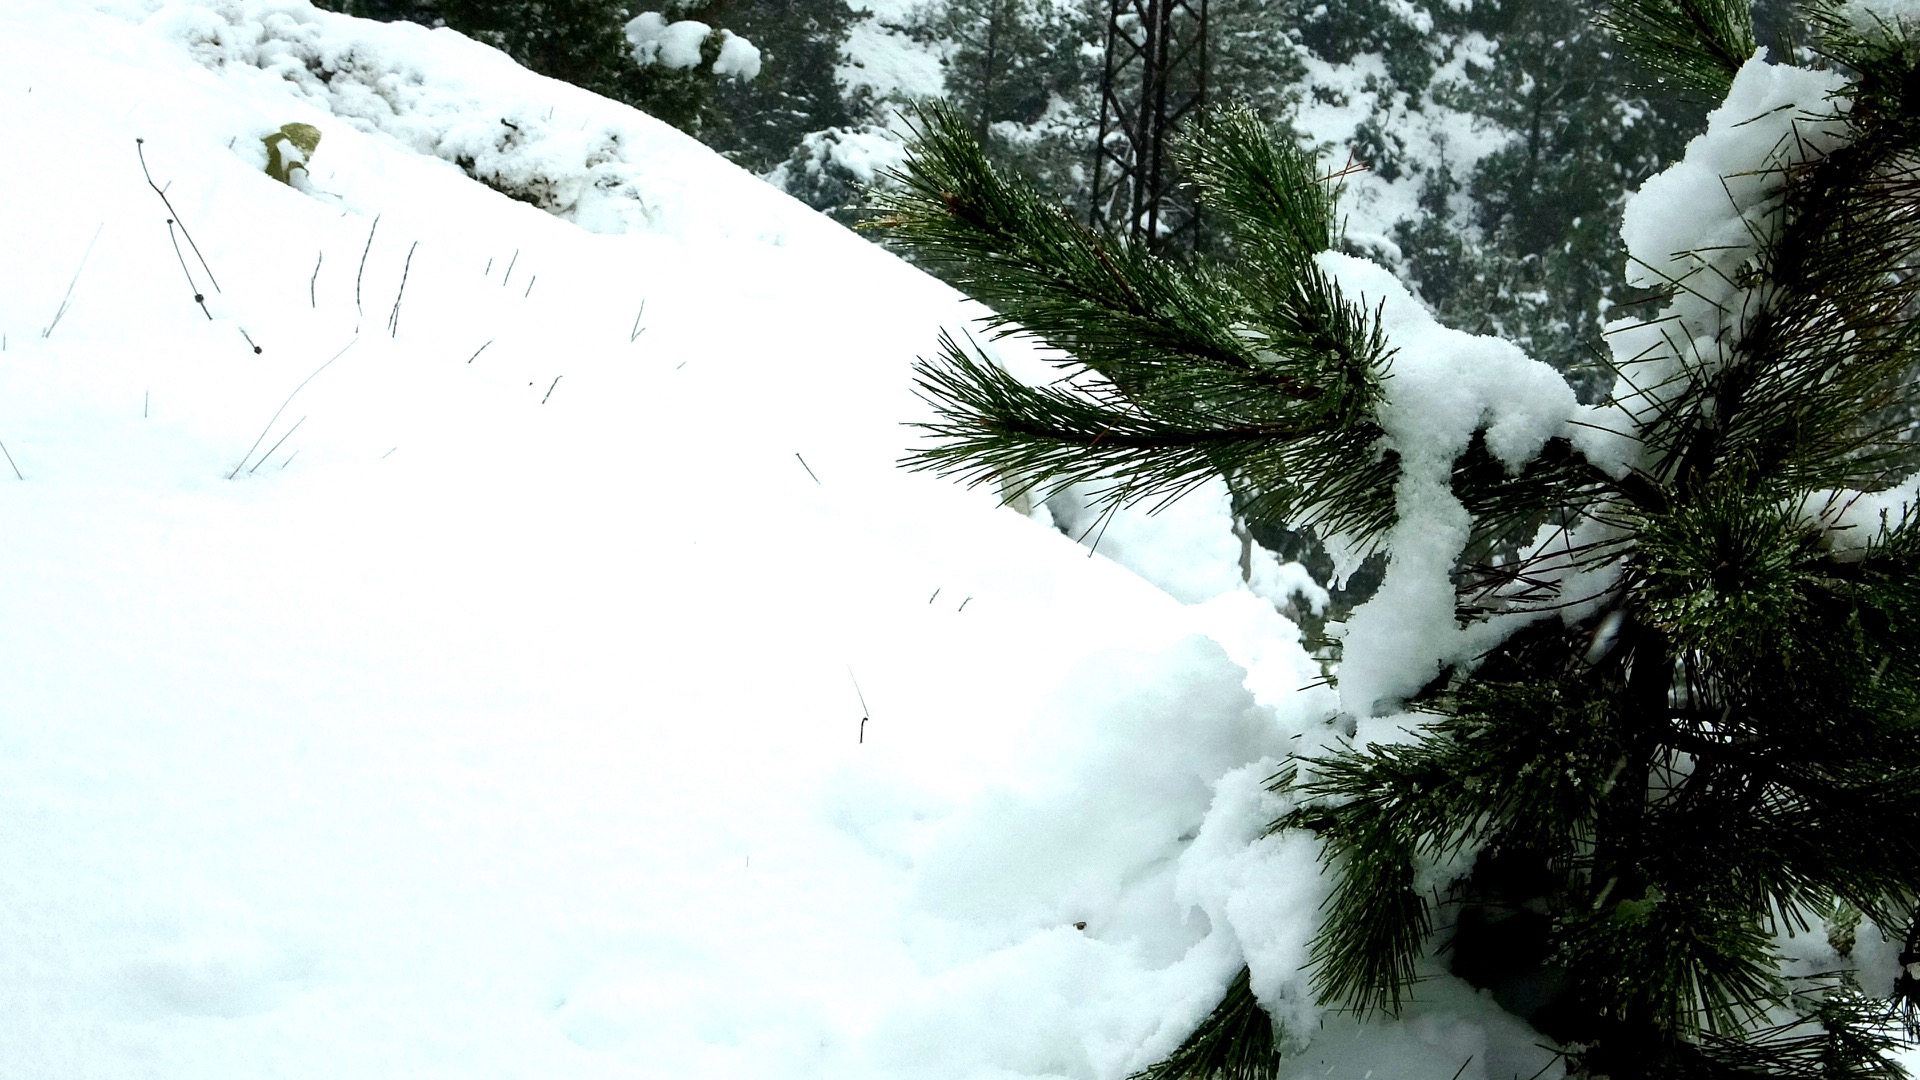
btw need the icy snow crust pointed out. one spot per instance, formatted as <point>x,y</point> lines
<point>529,661</point>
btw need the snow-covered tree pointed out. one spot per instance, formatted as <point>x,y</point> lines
<point>798,92</point>
<point>1024,74</point>
<point>668,59</point>
<point>1660,770</point>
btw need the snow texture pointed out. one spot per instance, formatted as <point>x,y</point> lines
<point>1442,387</point>
<point>674,45</point>
<point>738,57</point>
<point>1852,522</point>
<point>1704,212</point>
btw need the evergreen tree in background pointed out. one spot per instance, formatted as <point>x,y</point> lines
<point>1021,72</point>
<point>797,92</point>
<point>1691,720</point>
<point>1538,257</point>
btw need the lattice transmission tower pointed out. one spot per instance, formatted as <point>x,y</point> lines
<point>1154,79</point>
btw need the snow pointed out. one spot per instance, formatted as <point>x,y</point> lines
<point>1442,386</point>
<point>1852,522</point>
<point>1187,547</point>
<point>1702,211</point>
<point>866,154</point>
<point>738,57</point>
<point>1238,878</point>
<point>1874,15</point>
<point>530,660</point>
<point>884,59</point>
<point>669,44</point>
<point>676,45</point>
<point>495,626</point>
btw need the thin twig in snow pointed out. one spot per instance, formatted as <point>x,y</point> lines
<point>276,446</point>
<point>637,328</point>
<point>139,146</point>
<point>243,333</point>
<point>198,296</point>
<point>283,408</point>
<point>393,317</point>
<point>508,276</point>
<point>865,713</point>
<point>313,300</point>
<point>478,351</point>
<point>556,382</point>
<point>363,264</point>
<point>804,465</point>
<point>16,468</point>
<point>68,299</point>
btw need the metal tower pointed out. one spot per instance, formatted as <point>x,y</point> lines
<point>1154,78</point>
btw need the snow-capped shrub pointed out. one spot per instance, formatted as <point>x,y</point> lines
<point>688,43</point>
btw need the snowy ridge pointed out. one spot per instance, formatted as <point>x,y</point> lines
<point>573,154</point>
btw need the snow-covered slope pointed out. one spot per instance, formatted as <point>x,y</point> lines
<point>490,639</point>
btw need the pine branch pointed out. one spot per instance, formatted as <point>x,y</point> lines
<point>1234,1042</point>
<point>1515,761</point>
<point>1727,737</point>
<point>1698,44</point>
<point>1846,1037</point>
<point>1269,194</point>
<point>1671,965</point>
<point>1267,380</point>
<point>1115,307</point>
<point>991,426</point>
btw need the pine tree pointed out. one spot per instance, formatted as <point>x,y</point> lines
<point>1686,717</point>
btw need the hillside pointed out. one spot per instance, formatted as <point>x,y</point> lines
<point>460,616</point>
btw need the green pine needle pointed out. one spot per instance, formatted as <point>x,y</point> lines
<point>1234,1042</point>
<point>1261,375</point>
<point>1697,44</point>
